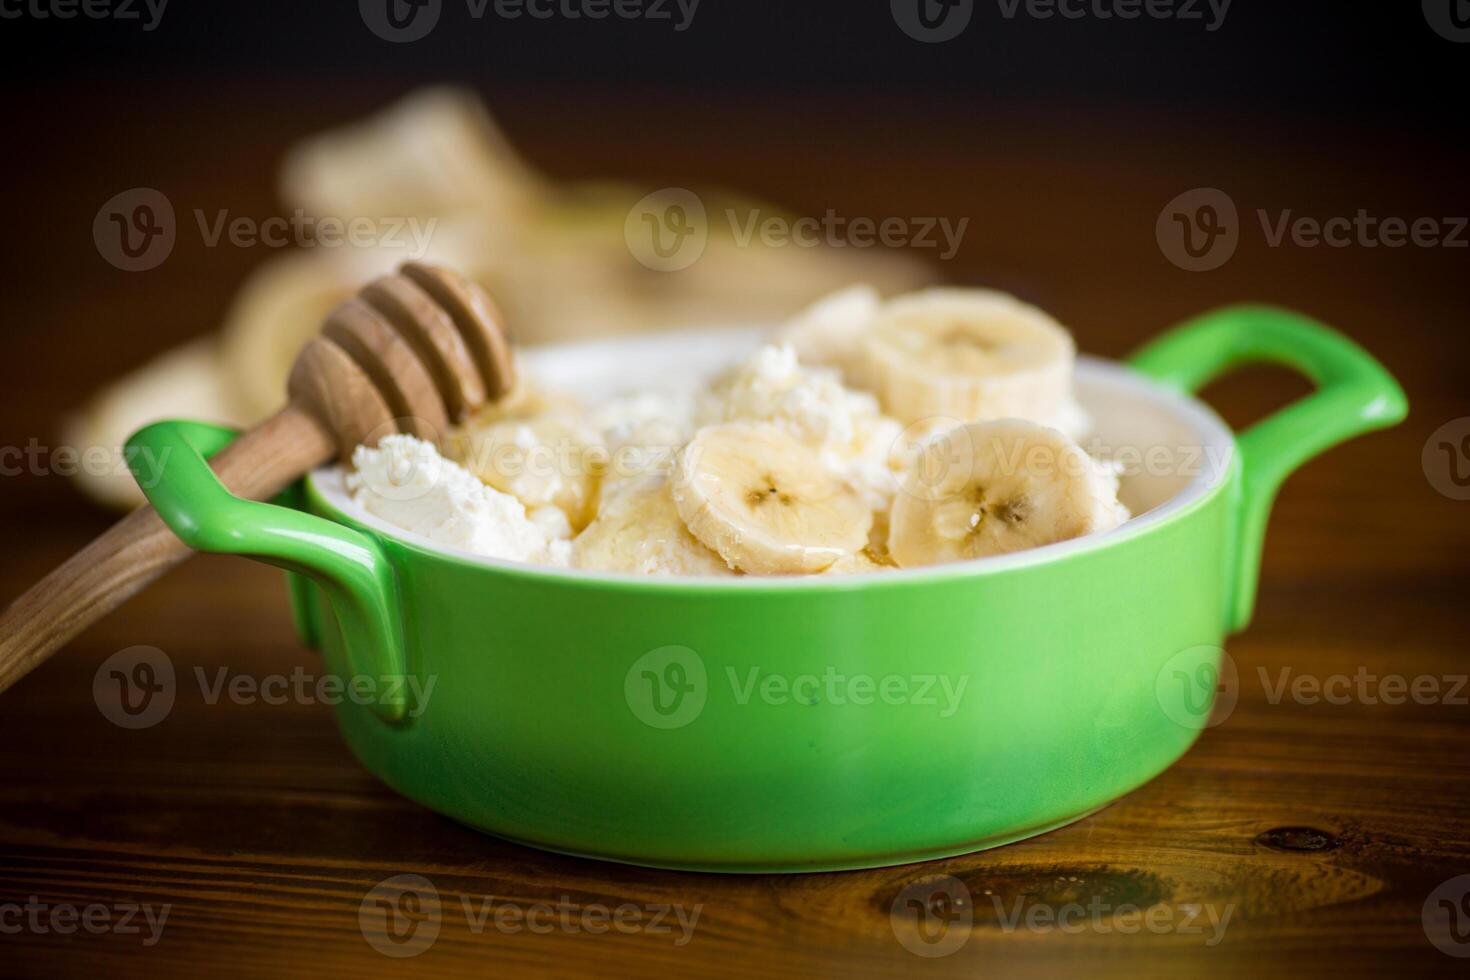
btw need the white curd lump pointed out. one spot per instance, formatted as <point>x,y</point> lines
<point>408,484</point>
<point>816,454</point>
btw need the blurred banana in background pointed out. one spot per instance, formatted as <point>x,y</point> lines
<point>554,256</point>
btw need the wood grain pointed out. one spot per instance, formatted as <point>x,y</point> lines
<point>1322,827</point>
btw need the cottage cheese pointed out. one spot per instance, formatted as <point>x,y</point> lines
<point>406,482</point>
<point>640,433</point>
<point>526,487</point>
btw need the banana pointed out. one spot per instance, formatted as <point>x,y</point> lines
<point>436,151</point>
<point>844,426</point>
<point>543,461</point>
<point>858,563</point>
<point>638,529</point>
<point>970,355</point>
<point>766,502</point>
<point>990,488</point>
<point>831,332</point>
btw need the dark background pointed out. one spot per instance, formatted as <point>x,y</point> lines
<point>1059,139</point>
<point>1285,59</point>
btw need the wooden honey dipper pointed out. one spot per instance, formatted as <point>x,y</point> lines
<point>411,352</point>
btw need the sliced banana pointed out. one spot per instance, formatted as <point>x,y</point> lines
<point>766,502</point>
<point>877,547</point>
<point>545,460</point>
<point>639,530</point>
<point>858,563</point>
<point>831,332</point>
<point>990,488</point>
<point>971,355</point>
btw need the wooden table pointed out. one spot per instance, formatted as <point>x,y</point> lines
<point>1321,829</point>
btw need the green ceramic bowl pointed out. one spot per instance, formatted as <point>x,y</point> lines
<point>832,722</point>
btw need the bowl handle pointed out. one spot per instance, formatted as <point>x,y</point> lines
<point>349,566</point>
<point>1355,394</point>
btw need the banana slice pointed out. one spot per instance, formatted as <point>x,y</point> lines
<point>639,530</point>
<point>990,488</point>
<point>831,332</point>
<point>545,460</point>
<point>766,502</point>
<point>970,355</point>
<point>858,563</point>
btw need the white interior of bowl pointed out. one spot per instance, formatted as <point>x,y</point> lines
<point>1174,449</point>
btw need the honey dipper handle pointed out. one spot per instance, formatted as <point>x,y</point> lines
<point>140,548</point>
